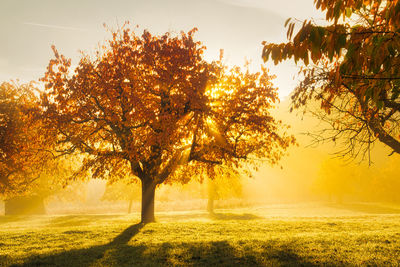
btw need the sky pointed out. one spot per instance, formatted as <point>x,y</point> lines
<point>28,28</point>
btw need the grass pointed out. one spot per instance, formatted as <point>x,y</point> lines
<point>286,235</point>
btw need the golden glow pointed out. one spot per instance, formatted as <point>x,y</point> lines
<point>217,91</point>
<point>210,121</point>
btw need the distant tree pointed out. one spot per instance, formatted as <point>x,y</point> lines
<point>226,183</point>
<point>23,153</point>
<point>336,180</point>
<point>384,184</point>
<point>123,189</point>
<point>29,170</point>
<point>149,105</point>
<point>351,69</point>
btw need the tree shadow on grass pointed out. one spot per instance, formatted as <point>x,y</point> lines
<point>232,216</point>
<point>86,256</point>
<point>76,220</point>
<point>220,253</point>
<point>124,237</point>
<point>56,221</point>
<point>206,215</point>
<point>13,218</point>
<point>195,215</point>
<point>371,208</point>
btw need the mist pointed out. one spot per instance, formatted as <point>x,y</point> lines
<point>307,174</point>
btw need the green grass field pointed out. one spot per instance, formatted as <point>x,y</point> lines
<point>274,235</point>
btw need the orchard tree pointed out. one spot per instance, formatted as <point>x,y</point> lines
<point>23,147</point>
<point>226,184</point>
<point>29,169</point>
<point>122,189</point>
<point>337,180</point>
<point>149,105</point>
<point>351,67</point>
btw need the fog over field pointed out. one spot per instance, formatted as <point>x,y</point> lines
<point>308,174</point>
<point>199,133</point>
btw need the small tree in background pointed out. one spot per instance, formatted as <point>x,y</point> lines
<point>150,105</point>
<point>336,180</point>
<point>29,171</point>
<point>226,183</point>
<point>24,152</point>
<point>123,189</point>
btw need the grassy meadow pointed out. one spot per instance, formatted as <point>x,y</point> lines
<point>273,235</point>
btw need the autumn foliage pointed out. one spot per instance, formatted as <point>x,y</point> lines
<point>351,66</point>
<point>151,105</point>
<point>23,147</point>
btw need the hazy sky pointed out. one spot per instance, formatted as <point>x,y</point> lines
<point>30,27</point>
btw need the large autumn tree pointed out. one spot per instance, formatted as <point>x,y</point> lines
<point>351,66</point>
<point>148,105</point>
<point>24,149</point>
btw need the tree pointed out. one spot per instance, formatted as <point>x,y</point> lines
<point>336,180</point>
<point>351,67</point>
<point>23,154</point>
<point>123,189</point>
<point>150,105</point>
<point>228,183</point>
<point>29,171</point>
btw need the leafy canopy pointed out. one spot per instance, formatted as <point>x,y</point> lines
<point>351,66</point>
<point>146,105</point>
<point>23,146</point>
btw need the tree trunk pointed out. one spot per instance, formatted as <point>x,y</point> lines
<point>210,204</point>
<point>130,206</point>
<point>212,191</point>
<point>148,193</point>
